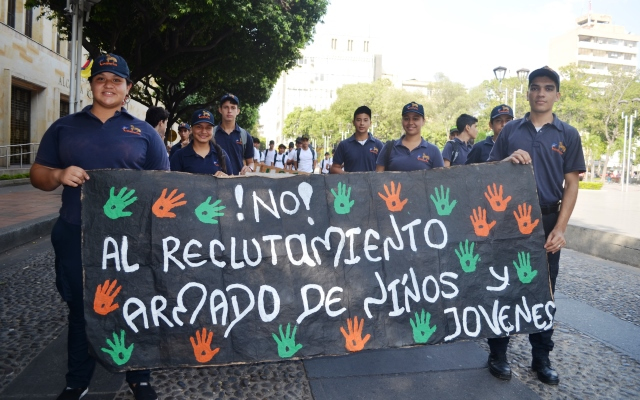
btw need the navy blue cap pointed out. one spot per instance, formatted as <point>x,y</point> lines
<point>413,107</point>
<point>502,109</point>
<point>202,115</point>
<point>549,73</point>
<point>184,125</point>
<point>110,63</point>
<point>231,97</point>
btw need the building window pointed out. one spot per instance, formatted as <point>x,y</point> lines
<point>334,43</point>
<point>350,45</point>
<point>20,124</point>
<point>58,42</point>
<point>366,46</point>
<point>11,14</point>
<point>64,108</point>
<point>28,22</point>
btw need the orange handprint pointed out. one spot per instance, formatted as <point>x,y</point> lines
<point>354,340</point>
<point>479,221</point>
<point>495,198</point>
<point>524,219</point>
<point>105,294</point>
<point>393,198</point>
<point>202,346</point>
<point>162,207</point>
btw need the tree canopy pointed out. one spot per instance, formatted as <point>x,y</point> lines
<point>186,54</point>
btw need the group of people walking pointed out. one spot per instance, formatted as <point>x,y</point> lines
<point>105,135</point>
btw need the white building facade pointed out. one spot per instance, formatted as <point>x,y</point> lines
<point>327,64</point>
<point>596,45</point>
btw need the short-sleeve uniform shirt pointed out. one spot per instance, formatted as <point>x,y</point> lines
<point>231,143</point>
<point>82,140</point>
<point>463,150</point>
<point>400,158</point>
<point>358,157</point>
<point>187,160</point>
<point>555,150</point>
<point>480,151</point>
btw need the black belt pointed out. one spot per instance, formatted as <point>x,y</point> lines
<point>552,209</point>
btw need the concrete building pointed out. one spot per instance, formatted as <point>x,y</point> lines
<point>596,45</point>
<point>34,82</point>
<point>328,63</point>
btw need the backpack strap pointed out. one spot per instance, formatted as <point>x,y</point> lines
<point>456,150</point>
<point>243,139</point>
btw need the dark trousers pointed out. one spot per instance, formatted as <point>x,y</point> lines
<point>66,241</point>
<point>541,342</point>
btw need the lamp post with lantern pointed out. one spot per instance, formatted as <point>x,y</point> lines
<point>522,74</point>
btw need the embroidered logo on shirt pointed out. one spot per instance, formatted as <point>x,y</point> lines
<point>373,150</point>
<point>558,148</point>
<point>424,158</point>
<point>131,129</point>
<point>239,142</point>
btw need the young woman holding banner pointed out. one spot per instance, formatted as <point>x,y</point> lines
<point>411,152</point>
<point>102,135</point>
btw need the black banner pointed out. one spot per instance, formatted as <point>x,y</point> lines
<point>192,270</point>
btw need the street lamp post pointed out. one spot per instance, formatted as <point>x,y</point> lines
<point>79,11</point>
<point>523,74</point>
<point>499,73</point>
<point>623,159</point>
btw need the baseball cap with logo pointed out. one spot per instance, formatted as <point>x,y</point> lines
<point>184,125</point>
<point>231,97</point>
<point>549,73</point>
<point>110,63</point>
<point>502,109</point>
<point>413,107</point>
<point>202,115</point>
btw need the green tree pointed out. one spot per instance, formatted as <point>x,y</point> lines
<point>186,54</point>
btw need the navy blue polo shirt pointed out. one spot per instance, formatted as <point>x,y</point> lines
<point>82,140</point>
<point>425,156</point>
<point>232,144</point>
<point>555,150</point>
<point>463,152</point>
<point>357,157</point>
<point>174,149</point>
<point>187,160</point>
<point>480,151</point>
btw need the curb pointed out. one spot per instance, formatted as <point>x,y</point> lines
<point>610,246</point>
<point>15,182</point>
<point>16,235</point>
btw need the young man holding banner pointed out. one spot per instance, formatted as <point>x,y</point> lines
<point>555,150</point>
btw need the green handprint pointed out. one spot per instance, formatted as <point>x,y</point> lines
<point>467,260</point>
<point>114,207</point>
<point>287,346</point>
<point>206,212</point>
<point>118,352</point>
<point>525,274</point>
<point>342,204</point>
<point>441,201</point>
<point>421,329</point>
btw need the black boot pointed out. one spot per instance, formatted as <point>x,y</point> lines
<point>499,366</point>
<point>546,374</point>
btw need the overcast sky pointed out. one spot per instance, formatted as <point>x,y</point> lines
<point>466,39</point>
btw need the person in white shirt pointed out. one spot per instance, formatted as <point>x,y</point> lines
<point>305,158</point>
<point>270,153</point>
<point>279,160</point>
<point>293,152</point>
<point>325,164</point>
<point>256,150</point>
